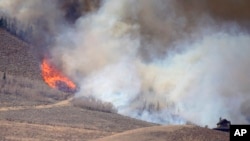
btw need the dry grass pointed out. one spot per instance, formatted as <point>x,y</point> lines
<point>91,103</point>
<point>74,117</point>
<point>169,133</point>
<point>42,115</point>
<point>30,110</point>
<point>17,57</point>
<point>17,91</point>
<point>63,123</point>
<point>18,131</point>
<point>35,92</point>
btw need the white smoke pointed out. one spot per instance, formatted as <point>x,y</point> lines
<point>157,62</point>
<point>33,11</point>
<point>197,79</point>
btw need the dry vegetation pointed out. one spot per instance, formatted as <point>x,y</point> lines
<point>21,91</point>
<point>18,91</point>
<point>74,117</point>
<point>30,110</point>
<point>18,131</point>
<point>17,57</point>
<point>91,103</point>
<point>170,133</point>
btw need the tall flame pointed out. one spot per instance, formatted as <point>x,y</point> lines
<point>54,77</point>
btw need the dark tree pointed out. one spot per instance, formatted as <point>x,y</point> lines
<point>4,76</point>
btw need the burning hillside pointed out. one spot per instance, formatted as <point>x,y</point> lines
<point>55,79</point>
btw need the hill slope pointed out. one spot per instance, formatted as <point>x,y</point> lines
<point>170,133</point>
<point>30,110</point>
<point>17,58</point>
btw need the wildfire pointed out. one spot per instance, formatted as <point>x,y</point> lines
<point>54,78</point>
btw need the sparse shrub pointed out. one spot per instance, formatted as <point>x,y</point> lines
<point>92,103</point>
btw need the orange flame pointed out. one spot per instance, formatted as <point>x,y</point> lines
<point>52,76</point>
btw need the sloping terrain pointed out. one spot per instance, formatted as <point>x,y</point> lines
<point>63,122</point>
<point>36,112</point>
<point>22,91</point>
<point>32,111</point>
<point>16,57</point>
<point>169,133</point>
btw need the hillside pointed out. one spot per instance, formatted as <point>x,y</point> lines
<point>17,58</point>
<point>30,110</point>
<point>170,133</point>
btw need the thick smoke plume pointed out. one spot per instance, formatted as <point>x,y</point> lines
<point>46,18</point>
<point>162,61</point>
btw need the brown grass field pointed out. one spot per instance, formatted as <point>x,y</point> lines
<point>32,111</point>
<point>169,133</point>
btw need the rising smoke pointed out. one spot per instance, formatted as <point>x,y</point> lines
<point>162,61</point>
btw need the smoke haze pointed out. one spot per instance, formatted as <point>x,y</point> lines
<point>162,61</point>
